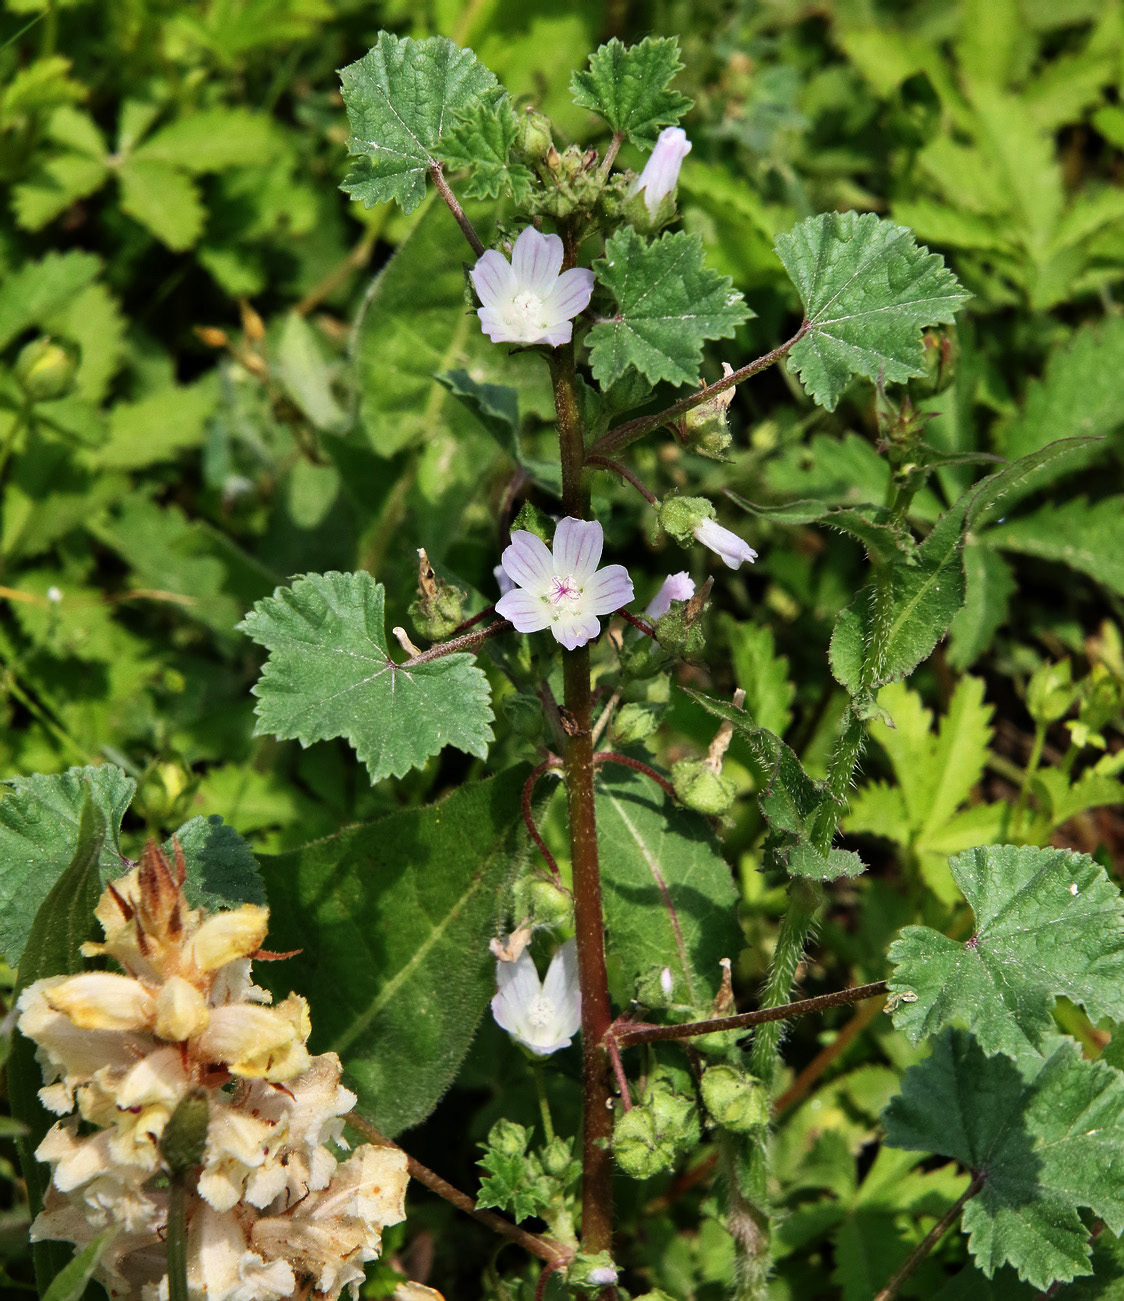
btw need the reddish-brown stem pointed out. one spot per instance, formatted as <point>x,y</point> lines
<point>442,187</point>
<point>629,1036</point>
<point>597,1016</point>
<point>607,463</point>
<point>544,1277</point>
<point>618,1070</point>
<point>645,628</point>
<point>824,1058</point>
<point>456,644</point>
<point>611,756</point>
<point>611,156</point>
<point>930,1240</point>
<point>529,817</point>
<point>545,1248</point>
<point>618,438</point>
<point>471,623</point>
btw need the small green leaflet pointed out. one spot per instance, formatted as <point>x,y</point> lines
<point>329,674</point>
<point>1049,922</point>
<point>1089,538</point>
<point>481,141</point>
<point>669,303</point>
<point>868,289</point>
<point>401,97</point>
<point>629,86</point>
<point>1048,1138</point>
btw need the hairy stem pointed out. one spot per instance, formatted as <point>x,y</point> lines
<point>597,1127</point>
<point>442,187</point>
<point>607,463</point>
<point>616,439</point>
<point>467,642</point>
<point>177,1238</point>
<point>628,1036</point>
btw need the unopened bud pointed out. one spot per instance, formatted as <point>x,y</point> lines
<point>700,788</point>
<point>507,1138</point>
<point>46,369</point>
<point>635,722</point>
<point>704,428</point>
<point>547,903</point>
<point>185,1135</point>
<point>649,1138</point>
<point>533,521</point>
<point>439,606</point>
<point>735,1100</point>
<point>592,1271</point>
<point>534,140</point>
<point>558,1159</point>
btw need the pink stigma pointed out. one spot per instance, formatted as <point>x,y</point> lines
<point>563,589</point>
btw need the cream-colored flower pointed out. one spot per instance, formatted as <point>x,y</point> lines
<point>271,1213</point>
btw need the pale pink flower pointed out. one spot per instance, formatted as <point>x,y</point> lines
<point>661,172</point>
<point>564,590</point>
<point>526,300</point>
<point>732,549</point>
<point>675,587</point>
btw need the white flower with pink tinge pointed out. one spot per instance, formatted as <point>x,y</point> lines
<point>563,591</point>
<point>526,300</point>
<point>542,1015</point>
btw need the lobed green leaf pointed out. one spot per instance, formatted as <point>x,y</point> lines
<point>867,289</point>
<point>630,87</point>
<point>329,674</point>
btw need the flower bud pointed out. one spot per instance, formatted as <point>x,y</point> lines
<point>227,936</point>
<point>533,139</point>
<point>661,172</point>
<point>102,1000</point>
<point>592,1271</point>
<point>546,904</point>
<point>735,1100</point>
<point>558,1159</point>
<point>700,788</point>
<point>681,516</point>
<point>506,1138</point>
<point>185,1135</point>
<point>704,428</point>
<point>648,1139</point>
<point>438,608</point>
<point>181,1010</point>
<point>46,369</point>
<point>680,632</point>
<point>636,722</point>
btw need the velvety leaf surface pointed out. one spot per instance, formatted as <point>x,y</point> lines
<point>392,920</point>
<point>669,302</point>
<point>221,868</point>
<point>629,86</point>
<point>329,673</point>
<point>401,97</point>
<point>39,826</point>
<point>1048,1138</point>
<point>669,895</point>
<point>867,289</point>
<point>481,141</point>
<point>1088,538</point>
<point>1049,922</point>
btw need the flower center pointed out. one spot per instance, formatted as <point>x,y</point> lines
<point>563,589</point>
<point>540,1012</point>
<point>527,309</point>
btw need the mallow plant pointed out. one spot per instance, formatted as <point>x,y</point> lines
<point>609,927</point>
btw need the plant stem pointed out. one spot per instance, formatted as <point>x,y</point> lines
<point>627,761</point>
<point>544,1105</point>
<point>926,1245</point>
<point>618,438</point>
<point>442,187</point>
<point>1028,776</point>
<point>545,1248</point>
<point>607,463</point>
<point>597,1127</point>
<point>177,1239</point>
<point>467,642</point>
<point>611,156</point>
<point>630,1036</point>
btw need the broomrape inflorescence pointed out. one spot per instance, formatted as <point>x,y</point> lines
<point>270,1211</point>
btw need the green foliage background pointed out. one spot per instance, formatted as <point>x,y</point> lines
<point>248,404</point>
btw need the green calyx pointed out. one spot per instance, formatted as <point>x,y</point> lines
<point>701,788</point>
<point>651,1136</point>
<point>734,1100</point>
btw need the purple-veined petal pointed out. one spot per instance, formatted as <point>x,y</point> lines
<point>572,629</point>
<point>527,612</point>
<point>503,581</point>
<point>536,260</point>
<point>577,547</point>
<point>675,587</point>
<point>570,293</point>
<point>661,172</point>
<point>493,278</point>
<point>528,562</point>
<point>607,590</point>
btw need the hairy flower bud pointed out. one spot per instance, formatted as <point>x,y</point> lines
<point>650,1137</point>
<point>735,1100</point>
<point>46,369</point>
<point>701,788</point>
